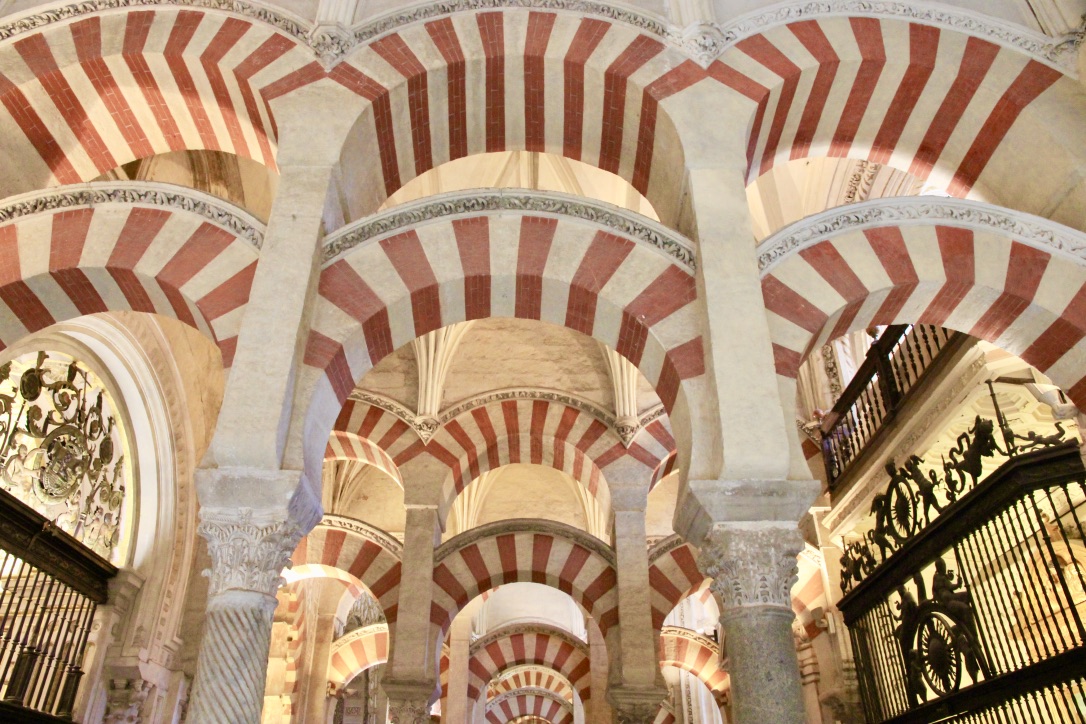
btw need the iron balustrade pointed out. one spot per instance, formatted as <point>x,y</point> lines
<point>896,363</point>
<point>50,588</point>
<point>978,615</point>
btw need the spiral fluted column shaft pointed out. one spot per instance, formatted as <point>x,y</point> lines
<point>229,685</point>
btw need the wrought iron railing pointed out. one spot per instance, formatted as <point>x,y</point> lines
<point>968,605</point>
<point>896,363</point>
<point>50,586</point>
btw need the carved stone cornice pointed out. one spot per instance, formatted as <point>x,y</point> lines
<point>480,201</point>
<point>751,565</point>
<point>502,527</point>
<point>703,42</point>
<point>365,530</point>
<point>920,210</point>
<point>426,427</point>
<point>248,552</point>
<point>137,193</point>
<point>522,629</point>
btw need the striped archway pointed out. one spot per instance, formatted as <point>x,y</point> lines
<point>126,247</point>
<point>696,654</point>
<point>84,96</point>
<point>531,676</point>
<point>356,651</point>
<point>633,290</point>
<point>365,558</point>
<point>587,88</point>
<point>520,704</point>
<point>673,575</point>
<point>942,105</point>
<point>1014,280</point>
<point>512,647</point>
<point>535,551</point>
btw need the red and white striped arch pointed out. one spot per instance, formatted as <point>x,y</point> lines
<point>552,554</point>
<point>673,575</point>
<point>939,104</point>
<point>347,446</point>
<point>357,651</point>
<point>664,717</point>
<point>955,267</point>
<point>531,676</point>
<point>82,97</point>
<point>512,79</point>
<point>385,292</point>
<point>543,646</point>
<point>697,654</point>
<point>357,554</point>
<point>83,259</point>
<point>529,705</point>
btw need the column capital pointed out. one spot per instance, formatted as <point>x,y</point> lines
<point>752,564</point>
<point>408,701</point>
<point>635,705</point>
<point>248,548</point>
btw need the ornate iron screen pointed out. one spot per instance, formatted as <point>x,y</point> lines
<point>965,600</point>
<point>62,489</point>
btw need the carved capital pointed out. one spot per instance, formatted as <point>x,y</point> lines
<point>752,565</point>
<point>635,705</point>
<point>408,711</point>
<point>248,552</point>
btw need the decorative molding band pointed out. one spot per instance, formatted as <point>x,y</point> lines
<point>426,427</point>
<point>480,201</point>
<point>690,635</point>
<point>921,211</point>
<point>539,691</point>
<point>665,546</point>
<point>522,629</point>
<point>359,633</point>
<point>137,193</point>
<point>367,531</point>
<point>504,527</point>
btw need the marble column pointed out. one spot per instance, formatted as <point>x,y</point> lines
<point>753,567</point>
<point>456,703</point>
<point>248,551</point>
<point>637,687</point>
<point>317,701</point>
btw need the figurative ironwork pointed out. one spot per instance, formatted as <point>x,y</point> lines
<point>61,449</point>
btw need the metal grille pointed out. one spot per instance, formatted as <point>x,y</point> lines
<point>979,617</point>
<point>44,626</point>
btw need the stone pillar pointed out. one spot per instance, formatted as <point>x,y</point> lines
<point>248,551</point>
<point>637,688</point>
<point>809,677</point>
<point>316,700</point>
<point>456,704</point>
<point>753,567</point>
<point>410,680</point>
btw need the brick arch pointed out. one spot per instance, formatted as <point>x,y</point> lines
<point>588,88</point>
<point>944,262</point>
<point>86,96</point>
<point>552,554</point>
<point>108,247</point>
<point>696,654</point>
<point>673,575</point>
<point>538,645</point>
<point>356,553</point>
<point>356,651</point>
<point>538,703</point>
<point>348,446</point>
<point>621,289</point>
<point>949,103</point>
